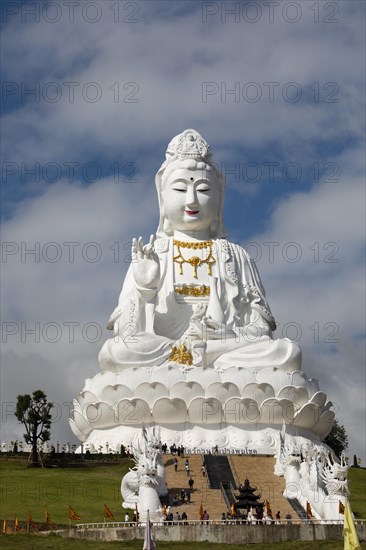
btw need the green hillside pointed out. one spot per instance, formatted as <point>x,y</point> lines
<point>357,486</point>
<point>85,489</point>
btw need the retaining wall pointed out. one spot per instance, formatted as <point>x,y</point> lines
<point>223,534</point>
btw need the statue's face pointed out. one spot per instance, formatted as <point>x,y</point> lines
<point>191,199</point>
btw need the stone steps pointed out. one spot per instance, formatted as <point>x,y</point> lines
<point>211,499</point>
<point>259,469</point>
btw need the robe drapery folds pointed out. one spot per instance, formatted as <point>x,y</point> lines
<point>147,323</point>
<point>240,291</point>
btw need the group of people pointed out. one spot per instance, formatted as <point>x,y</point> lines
<point>185,494</point>
<point>184,497</point>
<point>186,466</point>
<point>174,450</point>
<point>254,518</point>
<point>171,518</point>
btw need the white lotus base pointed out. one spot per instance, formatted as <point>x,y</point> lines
<point>235,409</point>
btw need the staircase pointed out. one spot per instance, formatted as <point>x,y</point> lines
<point>299,509</point>
<point>228,490</point>
<point>218,471</point>
<point>212,499</point>
<point>259,469</point>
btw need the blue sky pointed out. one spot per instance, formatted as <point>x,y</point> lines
<point>276,88</point>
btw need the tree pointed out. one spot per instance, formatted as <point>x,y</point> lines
<point>34,412</point>
<point>337,439</point>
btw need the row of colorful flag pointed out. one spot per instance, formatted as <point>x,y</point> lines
<point>72,515</point>
<point>351,541</point>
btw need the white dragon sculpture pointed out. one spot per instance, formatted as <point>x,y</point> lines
<point>334,475</point>
<point>144,483</point>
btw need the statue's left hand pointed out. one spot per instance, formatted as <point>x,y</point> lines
<point>145,264</point>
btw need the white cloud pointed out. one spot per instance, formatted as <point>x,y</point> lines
<point>169,62</point>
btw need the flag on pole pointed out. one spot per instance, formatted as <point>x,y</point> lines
<point>48,518</point>
<point>269,510</point>
<point>16,524</point>
<point>4,526</point>
<point>30,521</point>
<point>308,510</point>
<point>200,512</point>
<point>108,513</point>
<point>233,511</point>
<point>72,514</point>
<point>163,510</point>
<point>149,543</point>
<point>351,541</point>
<point>340,507</point>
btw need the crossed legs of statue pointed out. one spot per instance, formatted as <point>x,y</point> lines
<point>145,349</point>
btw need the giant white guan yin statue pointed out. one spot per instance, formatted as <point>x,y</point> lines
<point>192,349</point>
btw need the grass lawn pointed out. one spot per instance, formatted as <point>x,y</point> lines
<point>357,486</point>
<point>85,489</point>
<point>36,542</point>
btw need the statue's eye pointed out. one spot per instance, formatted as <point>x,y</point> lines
<point>180,189</point>
<point>203,189</point>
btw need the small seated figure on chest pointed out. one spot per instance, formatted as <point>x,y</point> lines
<point>190,296</point>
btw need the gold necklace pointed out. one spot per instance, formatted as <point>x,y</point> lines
<point>194,261</point>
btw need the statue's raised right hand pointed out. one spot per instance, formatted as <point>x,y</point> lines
<point>145,264</point>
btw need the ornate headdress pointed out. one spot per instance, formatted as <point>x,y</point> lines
<point>188,145</point>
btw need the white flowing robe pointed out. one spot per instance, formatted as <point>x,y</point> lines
<point>146,329</point>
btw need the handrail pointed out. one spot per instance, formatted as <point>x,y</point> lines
<point>224,494</point>
<point>258,523</point>
<point>233,471</point>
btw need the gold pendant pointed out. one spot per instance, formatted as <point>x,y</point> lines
<point>194,261</point>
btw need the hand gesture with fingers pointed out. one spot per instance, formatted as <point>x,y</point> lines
<point>145,263</point>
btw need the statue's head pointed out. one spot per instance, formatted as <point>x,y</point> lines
<point>190,188</point>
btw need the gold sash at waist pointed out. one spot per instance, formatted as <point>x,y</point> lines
<point>187,290</point>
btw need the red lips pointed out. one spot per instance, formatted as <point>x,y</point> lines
<point>191,212</point>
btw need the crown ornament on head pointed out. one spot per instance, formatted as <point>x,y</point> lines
<point>187,145</point>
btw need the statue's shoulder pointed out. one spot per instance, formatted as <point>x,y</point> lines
<point>232,250</point>
<point>161,245</point>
